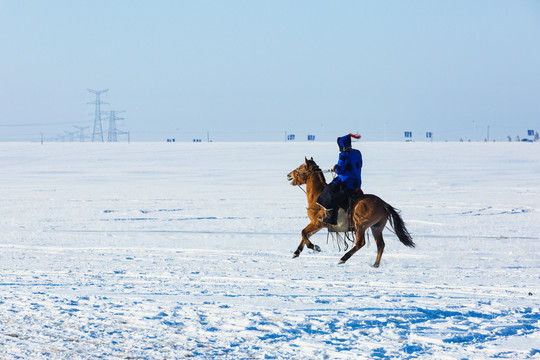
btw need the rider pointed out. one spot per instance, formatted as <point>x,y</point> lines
<point>348,170</point>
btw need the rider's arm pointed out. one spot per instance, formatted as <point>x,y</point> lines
<point>341,166</point>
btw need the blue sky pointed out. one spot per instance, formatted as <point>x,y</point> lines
<point>254,70</point>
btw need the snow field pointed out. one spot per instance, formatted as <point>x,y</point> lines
<point>178,250</point>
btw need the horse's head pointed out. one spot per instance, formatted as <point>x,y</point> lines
<point>300,175</point>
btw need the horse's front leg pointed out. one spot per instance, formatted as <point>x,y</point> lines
<point>308,231</point>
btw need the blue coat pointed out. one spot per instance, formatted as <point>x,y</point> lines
<point>349,166</point>
<point>349,169</point>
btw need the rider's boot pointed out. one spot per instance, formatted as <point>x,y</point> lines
<point>330,217</point>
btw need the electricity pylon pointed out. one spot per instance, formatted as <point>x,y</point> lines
<point>69,135</point>
<point>81,131</point>
<point>98,130</point>
<point>113,131</point>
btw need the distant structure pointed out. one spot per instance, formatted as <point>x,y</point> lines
<point>408,135</point>
<point>98,133</point>
<point>98,130</point>
<point>70,135</point>
<point>113,130</point>
<point>81,131</point>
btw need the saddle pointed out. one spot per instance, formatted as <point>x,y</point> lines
<point>344,219</point>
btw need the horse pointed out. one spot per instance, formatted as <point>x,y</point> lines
<point>367,211</point>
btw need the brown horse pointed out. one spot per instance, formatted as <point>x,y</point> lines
<point>369,211</point>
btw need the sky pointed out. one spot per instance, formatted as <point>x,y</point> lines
<point>259,70</point>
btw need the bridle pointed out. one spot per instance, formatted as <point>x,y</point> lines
<point>296,177</point>
<point>307,174</point>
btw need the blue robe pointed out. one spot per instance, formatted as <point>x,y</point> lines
<point>348,170</point>
<point>349,166</point>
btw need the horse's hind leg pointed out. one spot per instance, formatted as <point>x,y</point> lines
<point>360,242</point>
<point>377,232</point>
<point>309,230</point>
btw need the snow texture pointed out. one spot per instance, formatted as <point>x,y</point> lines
<point>183,250</point>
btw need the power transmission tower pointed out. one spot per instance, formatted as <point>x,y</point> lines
<point>98,130</point>
<point>81,132</point>
<point>113,131</point>
<point>69,135</point>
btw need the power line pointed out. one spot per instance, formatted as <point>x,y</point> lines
<point>37,124</point>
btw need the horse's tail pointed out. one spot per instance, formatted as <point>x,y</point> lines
<point>399,226</point>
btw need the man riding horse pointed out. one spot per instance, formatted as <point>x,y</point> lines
<point>347,182</point>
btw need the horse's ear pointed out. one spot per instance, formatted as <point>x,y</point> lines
<point>312,158</point>
<point>305,157</point>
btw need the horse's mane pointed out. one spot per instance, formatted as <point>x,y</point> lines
<point>317,170</point>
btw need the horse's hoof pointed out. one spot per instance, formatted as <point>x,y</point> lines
<point>341,262</point>
<point>317,248</point>
<point>295,255</point>
<point>375,265</point>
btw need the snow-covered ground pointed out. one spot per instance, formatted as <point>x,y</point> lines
<point>183,250</point>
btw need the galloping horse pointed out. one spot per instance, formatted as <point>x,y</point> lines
<point>368,211</point>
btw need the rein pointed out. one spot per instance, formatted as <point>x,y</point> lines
<point>308,174</point>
